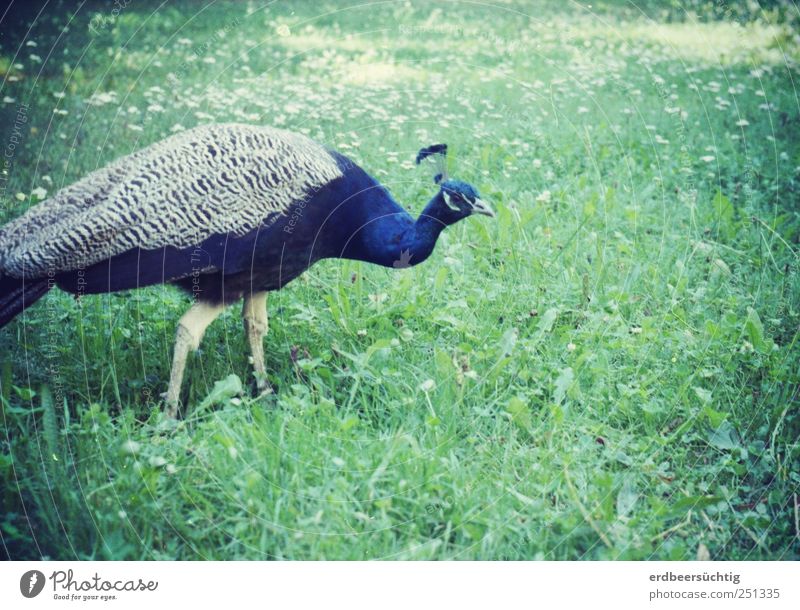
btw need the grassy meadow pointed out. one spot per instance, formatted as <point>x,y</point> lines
<point>608,370</point>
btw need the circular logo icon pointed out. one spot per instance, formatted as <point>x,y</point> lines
<point>31,583</point>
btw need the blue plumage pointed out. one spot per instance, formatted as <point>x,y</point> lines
<point>351,217</point>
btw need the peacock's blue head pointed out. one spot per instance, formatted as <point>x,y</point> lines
<point>457,200</point>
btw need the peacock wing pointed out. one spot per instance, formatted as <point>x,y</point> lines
<point>211,180</point>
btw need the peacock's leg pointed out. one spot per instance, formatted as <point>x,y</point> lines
<point>254,314</point>
<point>191,328</point>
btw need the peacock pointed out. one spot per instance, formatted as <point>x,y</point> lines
<point>226,212</point>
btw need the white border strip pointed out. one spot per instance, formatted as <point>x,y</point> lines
<point>371,585</point>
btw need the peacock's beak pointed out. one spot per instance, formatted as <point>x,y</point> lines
<point>481,207</point>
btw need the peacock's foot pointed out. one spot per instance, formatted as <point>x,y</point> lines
<point>170,407</point>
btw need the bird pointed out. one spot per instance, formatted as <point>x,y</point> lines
<point>226,212</point>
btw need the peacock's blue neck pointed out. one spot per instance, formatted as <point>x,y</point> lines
<point>394,239</point>
<point>367,223</point>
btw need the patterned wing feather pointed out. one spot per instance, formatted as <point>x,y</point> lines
<point>217,179</point>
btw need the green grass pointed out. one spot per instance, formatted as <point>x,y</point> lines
<point>608,370</point>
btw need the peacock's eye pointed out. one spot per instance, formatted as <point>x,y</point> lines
<point>452,200</point>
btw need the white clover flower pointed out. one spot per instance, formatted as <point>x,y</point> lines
<point>39,192</point>
<point>102,98</point>
<point>427,385</point>
<point>543,197</point>
<point>130,447</point>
